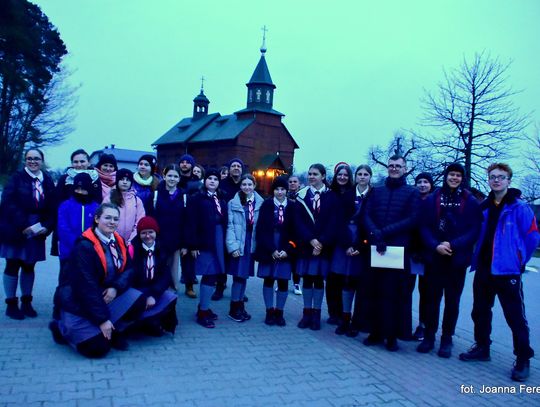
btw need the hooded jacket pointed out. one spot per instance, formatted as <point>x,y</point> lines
<point>236,228</point>
<point>131,213</point>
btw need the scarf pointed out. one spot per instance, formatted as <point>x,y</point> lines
<point>72,172</point>
<point>107,179</point>
<point>141,181</point>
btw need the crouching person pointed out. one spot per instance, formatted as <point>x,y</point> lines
<point>152,277</point>
<point>96,301</point>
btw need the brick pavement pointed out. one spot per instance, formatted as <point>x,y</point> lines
<point>248,364</point>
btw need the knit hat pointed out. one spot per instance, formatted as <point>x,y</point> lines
<point>107,159</point>
<point>236,160</point>
<point>83,181</point>
<point>124,173</point>
<point>146,223</point>
<point>280,181</point>
<point>212,171</point>
<point>151,160</point>
<point>456,167</point>
<point>187,157</point>
<point>425,175</point>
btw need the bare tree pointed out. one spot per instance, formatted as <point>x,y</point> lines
<point>473,109</point>
<point>530,184</point>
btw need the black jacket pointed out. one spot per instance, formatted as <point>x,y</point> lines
<point>391,212</point>
<point>171,217</point>
<point>18,209</point>
<point>322,227</point>
<point>86,279</point>
<point>201,213</point>
<point>264,233</point>
<point>229,188</point>
<point>162,277</point>
<point>462,228</point>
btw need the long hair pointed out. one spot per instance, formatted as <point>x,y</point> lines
<point>335,186</point>
<point>241,194</point>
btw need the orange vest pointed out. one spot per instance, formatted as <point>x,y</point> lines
<point>90,235</point>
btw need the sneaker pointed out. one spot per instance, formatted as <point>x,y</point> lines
<point>445,350</point>
<point>297,289</point>
<point>520,371</point>
<point>419,333</point>
<point>476,352</point>
<point>425,346</point>
<point>235,311</point>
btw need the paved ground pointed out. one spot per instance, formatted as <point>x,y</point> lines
<point>250,364</point>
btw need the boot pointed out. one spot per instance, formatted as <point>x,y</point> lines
<point>270,317</point>
<point>13,310</point>
<point>278,317</point>
<point>520,371</point>
<point>243,311</point>
<point>56,334</point>
<point>204,319</point>
<point>476,352</point>
<point>235,313</point>
<point>306,319</point>
<point>26,306</point>
<point>190,292</point>
<point>343,328</point>
<point>426,345</point>
<point>445,350</point>
<point>315,319</point>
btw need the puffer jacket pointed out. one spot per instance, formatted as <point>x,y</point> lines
<point>130,213</point>
<point>516,236</point>
<point>236,227</point>
<point>73,219</point>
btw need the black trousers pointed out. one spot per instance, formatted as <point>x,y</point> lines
<point>442,277</point>
<point>388,285</point>
<point>509,289</point>
<point>334,288</point>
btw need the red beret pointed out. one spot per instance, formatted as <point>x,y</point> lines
<point>147,222</point>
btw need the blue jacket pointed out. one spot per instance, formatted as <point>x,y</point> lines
<point>73,219</point>
<point>516,238</point>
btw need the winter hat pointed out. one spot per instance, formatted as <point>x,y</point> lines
<point>151,160</point>
<point>212,171</point>
<point>146,223</point>
<point>124,173</point>
<point>236,160</point>
<point>425,175</point>
<point>83,181</point>
<point>187,157</point>
<point>107,159</point>
<point>456,167</point>
<point>280,181</point>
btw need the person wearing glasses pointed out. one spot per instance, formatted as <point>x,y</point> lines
<point>508,238</point>
<point>27,216</point>
<point>389,219</point>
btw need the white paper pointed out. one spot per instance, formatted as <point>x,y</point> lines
<point>393,258</point>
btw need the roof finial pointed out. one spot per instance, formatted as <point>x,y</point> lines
<point>202,84</point>
<point>263,46</point>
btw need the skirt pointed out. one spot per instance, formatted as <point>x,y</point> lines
<point>278,269</point>
<point>30,251</point>
<point>349,266</point>
<point>212,262</point>
<point>313,266</point>
<point>76,329</point>
<point>243,266</point>
<point>162,303</point>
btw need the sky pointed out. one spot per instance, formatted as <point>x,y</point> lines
<point>349,73</point>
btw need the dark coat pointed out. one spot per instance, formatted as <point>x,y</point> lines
<point>18,209</point>
<point>201,213</point>
<point>346,210</point>
<point>82,294</point>
<point>322,227</point>
<point>264,233</point>
<point>391,213</point>
<point>162,276</point>
<point>171,217</point>
<point>146,193</point>
<point>462,233</point>
<point>229,188</point>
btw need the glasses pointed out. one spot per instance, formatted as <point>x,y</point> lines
<point>498,177</point>
<point>395,166</point>
<point>37,159</point>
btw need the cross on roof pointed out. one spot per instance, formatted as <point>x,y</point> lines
<point>263,46</point>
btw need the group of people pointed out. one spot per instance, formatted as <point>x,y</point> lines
<point>121,237</point>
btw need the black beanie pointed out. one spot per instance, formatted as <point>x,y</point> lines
<point>425,175</point>
<point>212,171</point>
<point>151,160</point>
<point>124,173</point>
<point>456,167</point>
<point>280,181</point>
<point>83,181</point>
<point>107,159</point>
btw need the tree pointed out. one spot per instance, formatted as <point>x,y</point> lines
<point>530,184</point>
<point>473,108</point>
<point>31,52</point>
